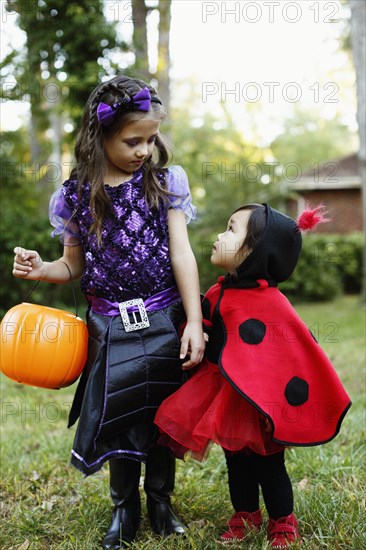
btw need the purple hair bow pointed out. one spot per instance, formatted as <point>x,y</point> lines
<point>139,102</point>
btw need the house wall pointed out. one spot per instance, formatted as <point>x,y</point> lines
<point>344,207</point>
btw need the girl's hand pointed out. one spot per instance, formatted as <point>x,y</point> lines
<point>28,264</point>
<point>192,344</point>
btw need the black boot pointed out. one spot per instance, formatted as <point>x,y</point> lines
<point>159,485</point>
<point>126,516</point>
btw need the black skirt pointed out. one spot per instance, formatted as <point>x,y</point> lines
<point>126,378</point>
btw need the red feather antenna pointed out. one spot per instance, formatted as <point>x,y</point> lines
<point>310,217</point>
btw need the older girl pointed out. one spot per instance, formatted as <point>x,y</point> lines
<point>122,216</point>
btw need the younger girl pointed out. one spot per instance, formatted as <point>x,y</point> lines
<point>122,216</point>
<point>265,383</point>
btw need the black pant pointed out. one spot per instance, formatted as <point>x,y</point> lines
<point>249,472</point>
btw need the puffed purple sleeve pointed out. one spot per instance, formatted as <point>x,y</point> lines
<point>178,184</point>
<point>60,215</point>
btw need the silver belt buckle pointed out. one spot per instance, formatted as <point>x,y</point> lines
<point>140,318</point>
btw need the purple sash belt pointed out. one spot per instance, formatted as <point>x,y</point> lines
<point>155,302</point>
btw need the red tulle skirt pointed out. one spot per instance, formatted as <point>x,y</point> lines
<point>208,409</point>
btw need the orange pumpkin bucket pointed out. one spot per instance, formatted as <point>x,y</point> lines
<point>42,346</point>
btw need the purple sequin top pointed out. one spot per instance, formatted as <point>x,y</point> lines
<point>133,261</point>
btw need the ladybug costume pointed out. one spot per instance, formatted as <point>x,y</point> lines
<point>265,382</point>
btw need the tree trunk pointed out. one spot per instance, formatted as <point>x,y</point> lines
<point>139,39</point>
<point>35,92</point>
<point>358,36</point>
<point>164,54</point>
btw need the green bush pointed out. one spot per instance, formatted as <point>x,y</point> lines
<point>24,222</point>
<point>328,266</point>
<point>348,259</point>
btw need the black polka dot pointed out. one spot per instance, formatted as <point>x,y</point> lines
<point>297,391</point>
<point>252,331</point>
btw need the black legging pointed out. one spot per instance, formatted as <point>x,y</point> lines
<point>247,472</point>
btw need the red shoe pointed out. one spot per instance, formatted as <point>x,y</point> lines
<point>283,532</point>
<point>240,523</point>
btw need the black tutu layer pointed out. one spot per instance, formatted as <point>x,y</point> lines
<point>126,378</point>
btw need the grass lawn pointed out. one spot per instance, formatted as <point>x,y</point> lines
<point>47,504</point>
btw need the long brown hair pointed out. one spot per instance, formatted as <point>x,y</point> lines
<point>89,150</point>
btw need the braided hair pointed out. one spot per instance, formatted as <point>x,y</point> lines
<point>89,147</point>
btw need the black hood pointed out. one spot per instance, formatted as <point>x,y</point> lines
<point>275,256</point>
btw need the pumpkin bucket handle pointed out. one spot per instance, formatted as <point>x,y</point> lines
<point>72,290</point>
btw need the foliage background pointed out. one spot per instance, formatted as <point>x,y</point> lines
<point>68,48</point>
